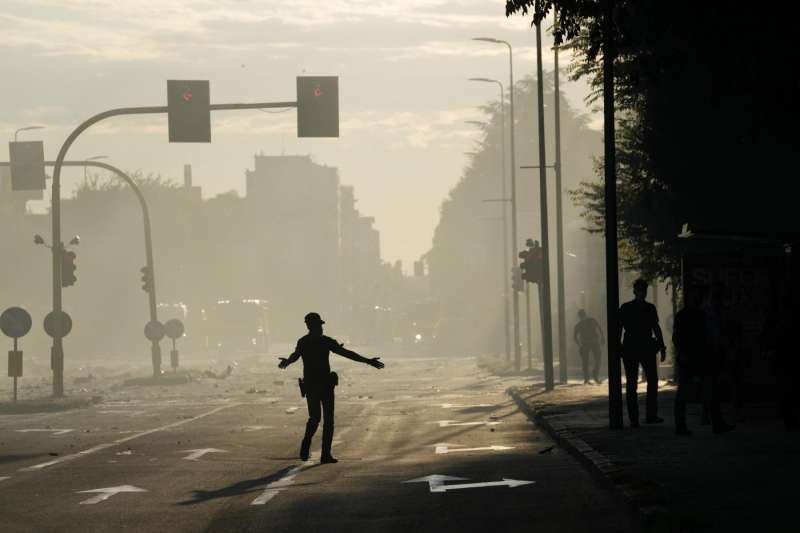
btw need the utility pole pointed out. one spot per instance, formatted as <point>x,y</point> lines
<point>610,163</point>
<point>547,333</point>
<point>562,314</point>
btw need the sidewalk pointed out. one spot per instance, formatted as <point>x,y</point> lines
<point>745,480</point>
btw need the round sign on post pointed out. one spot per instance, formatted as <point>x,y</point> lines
<point>57,324</point>
<point>154,330</point>
<point>174,329</point>
<point>15,322</point>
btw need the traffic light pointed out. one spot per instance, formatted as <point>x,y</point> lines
<point>317,106</point>
<point>68,268</point>
<point>516,279</point>
<point>147,279</point>
<point>188,111</point>
<point>26,159</point>
<point>531,264</point>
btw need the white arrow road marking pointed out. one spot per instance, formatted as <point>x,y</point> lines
<point>53,431</point>
<point>451,423</point>
<point>442,448</point>
<point>117,442</point>
<point>107,492</point>
<point>291,410</point>
<point>194,455</point>
<point>272,489</point>
<point>455,406</point>
<point>436,483</point>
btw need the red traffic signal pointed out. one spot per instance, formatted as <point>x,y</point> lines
<point>188,111</point>
<point>317,106</point>
<point>68,268</point>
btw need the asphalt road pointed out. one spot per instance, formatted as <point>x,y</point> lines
<point>208,456</point>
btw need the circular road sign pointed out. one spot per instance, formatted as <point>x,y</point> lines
<point>174,328</point>
<point>15,322</point>
<point>154,330</point>
<point>57,324</point>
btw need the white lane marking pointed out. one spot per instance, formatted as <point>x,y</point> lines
<point>120,412</point>
<point>272,489</point>
<point>436,483</point>
<point>445,448</point>
<point>451,423</point>
<point>291,410</point>
<point>455,406</point>
<point>255,428</point>
<point>117,442</point>
<point>198,453</point>
<point>3,478</point>
<point>107,492</point>
<point>53,431</point>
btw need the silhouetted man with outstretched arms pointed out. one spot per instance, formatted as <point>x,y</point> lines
<point>642,341</point>
<point>318,381</point>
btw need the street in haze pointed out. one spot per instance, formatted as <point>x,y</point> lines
<point>197,457</point>
<point>404,265</point>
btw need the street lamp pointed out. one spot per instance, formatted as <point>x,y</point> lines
<point>26,128</point>
<point>506,270</point>
<point>514,243</point>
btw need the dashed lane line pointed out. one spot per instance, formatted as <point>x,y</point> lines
<point>101,447</point>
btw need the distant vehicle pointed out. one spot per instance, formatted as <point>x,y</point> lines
<point>237,326</point>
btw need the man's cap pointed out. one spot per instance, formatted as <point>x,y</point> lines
<point>313,318</point>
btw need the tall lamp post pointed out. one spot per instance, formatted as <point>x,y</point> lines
<point>562,313</point>
<point>506,292</point>
<point>514,241</point>
<point>26,128</point>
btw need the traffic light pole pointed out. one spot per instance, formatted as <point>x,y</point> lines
<point>529,323</point>
<point>57,350</point>
<point>547,333</point>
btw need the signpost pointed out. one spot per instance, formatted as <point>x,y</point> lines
<point>15,322</point>
<point>27,165</point>
<point>174,330</point>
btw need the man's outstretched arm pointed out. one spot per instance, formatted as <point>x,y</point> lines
<point>288,361</point>
<point>353,356</point>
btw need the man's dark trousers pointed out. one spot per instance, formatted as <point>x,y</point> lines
<point>631,360</point>
<point>592,348</point>
<point>320,401</point>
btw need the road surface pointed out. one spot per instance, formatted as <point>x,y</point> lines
<point>209,456</point>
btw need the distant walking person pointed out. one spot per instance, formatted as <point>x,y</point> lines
<point>318,381</point>
<point>642,341</point>
<point>690,338</point>
<point>589,337</point>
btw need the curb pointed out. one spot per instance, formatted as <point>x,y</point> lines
<point>599,465</point>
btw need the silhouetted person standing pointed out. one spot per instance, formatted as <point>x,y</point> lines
<point>589,336</point>
<point>690,337</point>
<point>318,381</point>
<point>642,341</point>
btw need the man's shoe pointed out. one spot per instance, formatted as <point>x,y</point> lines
<point>304,451</point>
<point>328,459</point>
<point>683,431</point>
<point>723,428</point>
<point>654,420</point>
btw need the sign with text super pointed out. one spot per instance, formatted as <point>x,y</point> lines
<point>189,112</point>
<point>317,106</point>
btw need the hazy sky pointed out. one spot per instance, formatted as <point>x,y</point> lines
<point>402,64</point>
